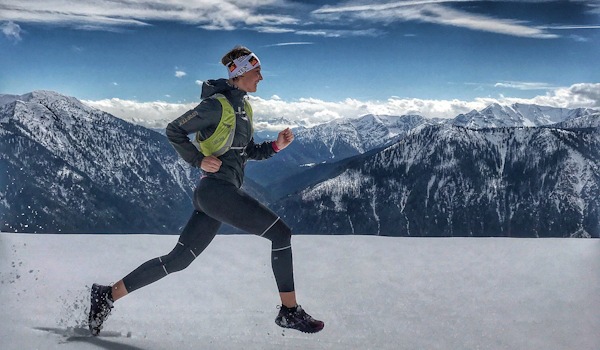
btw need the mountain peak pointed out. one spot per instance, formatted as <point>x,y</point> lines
<point>44,97</point>
<point>85,170</point>
<point>494,106</point>
<point>517,115</point>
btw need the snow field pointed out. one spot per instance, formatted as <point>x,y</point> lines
<point>372,293</point>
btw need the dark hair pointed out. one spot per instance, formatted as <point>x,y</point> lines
<point>236,52</point>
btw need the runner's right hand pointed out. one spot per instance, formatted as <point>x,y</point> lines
<point>210,164</point>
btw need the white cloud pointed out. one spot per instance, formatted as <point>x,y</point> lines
<point>180,73</point>
<point>11,30</point>
<point>154,115</point>
<point>575,96</point>
<point>338,33</point>
<point>312,111</point>
<point>524,85</point>
<point>594,9</point>
<point>267,16</point>
<point>290,44</point>
<point>273,30</point>
<point>432,12</point>
<point>571,27</point>
<point>446,16</point>
<point>105,15</point>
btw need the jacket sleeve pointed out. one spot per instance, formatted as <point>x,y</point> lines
<point>205,116</point>
<point>260,151</point>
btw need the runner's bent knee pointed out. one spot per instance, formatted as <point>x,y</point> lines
<point>279,233</point>
<point>178,259</point>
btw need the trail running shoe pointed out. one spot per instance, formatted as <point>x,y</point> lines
<point>297,318</point>
<point>101,306</point>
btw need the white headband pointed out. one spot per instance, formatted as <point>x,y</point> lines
<point>242,64</point>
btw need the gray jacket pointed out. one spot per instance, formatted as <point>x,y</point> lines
<point>204,119</point>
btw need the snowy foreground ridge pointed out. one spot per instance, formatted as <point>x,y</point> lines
<point>372,293</point>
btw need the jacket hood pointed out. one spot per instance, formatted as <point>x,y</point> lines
<point>217,86</point>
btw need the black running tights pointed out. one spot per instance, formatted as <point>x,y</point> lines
<point>218,201</point>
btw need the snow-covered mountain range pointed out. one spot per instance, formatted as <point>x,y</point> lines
<point>333,141</point>
<point>66,167</point>
<point>343,138</point>
<point>497,116</point>
<point>453,181</point>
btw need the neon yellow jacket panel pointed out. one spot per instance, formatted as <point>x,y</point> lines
<point>220,141</point>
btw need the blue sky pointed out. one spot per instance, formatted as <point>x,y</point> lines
<point>143,60</point>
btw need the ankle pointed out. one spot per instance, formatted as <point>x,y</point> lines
<point>289,308</point>
<point>118,290</point>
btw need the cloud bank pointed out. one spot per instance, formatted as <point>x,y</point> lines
<point>269,16</point>
<point>431,11</point>
<point>153,115</point>
<point>311,111</point>
<point>105,14</point>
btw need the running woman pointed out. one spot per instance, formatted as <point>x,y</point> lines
<point>223,126</point>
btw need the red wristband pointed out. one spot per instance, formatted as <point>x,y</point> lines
<point>274,145</point>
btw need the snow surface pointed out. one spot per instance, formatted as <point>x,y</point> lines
<point>372,293</point>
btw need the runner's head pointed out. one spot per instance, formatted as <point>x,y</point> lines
<point>243,68</point>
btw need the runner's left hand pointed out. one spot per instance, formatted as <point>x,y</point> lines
<point>284,138</point>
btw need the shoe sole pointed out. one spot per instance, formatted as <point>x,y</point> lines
<point>310,331</point>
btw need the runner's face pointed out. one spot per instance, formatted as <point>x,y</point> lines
<point>249,81</point>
